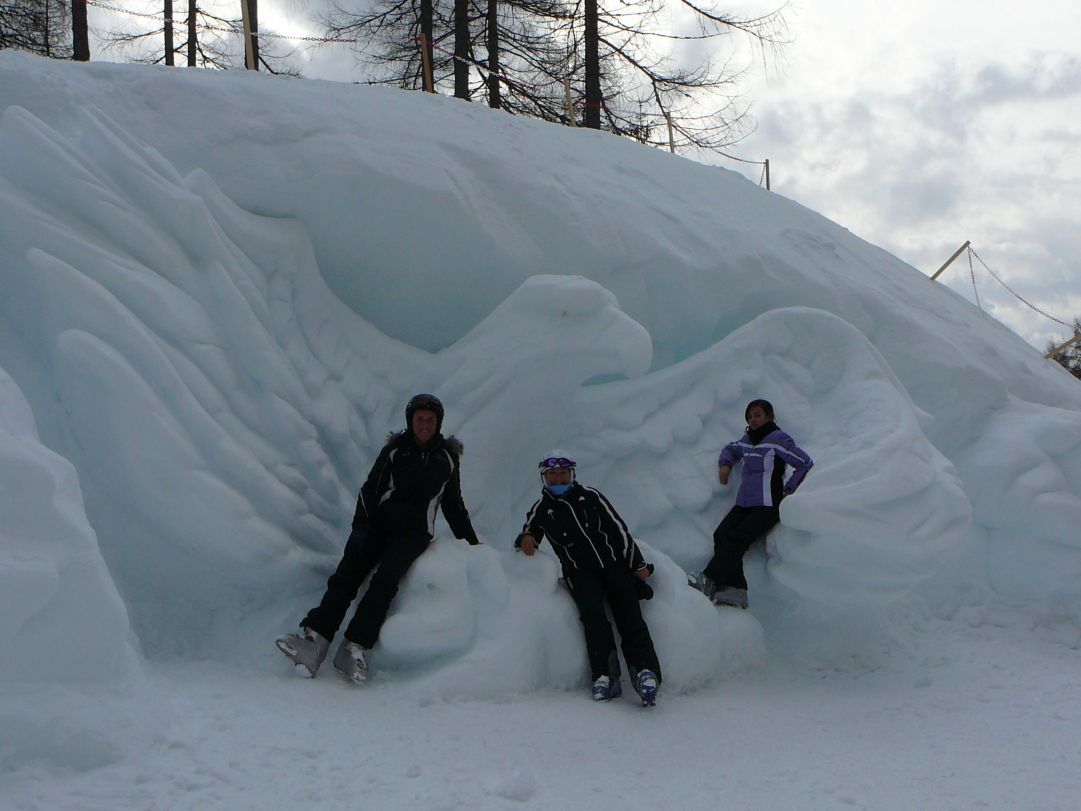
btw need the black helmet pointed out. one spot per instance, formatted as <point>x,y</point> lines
<point>424,402</point>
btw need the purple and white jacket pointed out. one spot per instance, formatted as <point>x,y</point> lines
<point>764,462</point>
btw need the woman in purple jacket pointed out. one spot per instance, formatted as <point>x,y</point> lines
<point>766,450</point>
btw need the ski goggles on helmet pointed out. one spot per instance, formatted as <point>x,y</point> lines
<point>425,402</point>
<point>555,463</point>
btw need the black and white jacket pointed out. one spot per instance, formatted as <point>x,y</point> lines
<point>407,484</point>
<point>584,529</point>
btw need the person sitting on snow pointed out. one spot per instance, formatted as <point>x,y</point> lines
<point>765,449</point>
<point>601,562</point>
<point>417,471</point>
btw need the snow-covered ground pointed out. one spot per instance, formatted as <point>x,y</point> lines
<point>217,292</point>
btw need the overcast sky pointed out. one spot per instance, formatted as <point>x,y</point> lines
<point>921,124</point>
<point>917,126</point>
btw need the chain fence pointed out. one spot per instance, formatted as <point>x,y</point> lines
<point>972,255</point>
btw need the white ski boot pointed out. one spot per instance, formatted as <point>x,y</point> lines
<point>351,662</point>
<point>305,649</point>
<point>699,582</point>
<point>737,598</point>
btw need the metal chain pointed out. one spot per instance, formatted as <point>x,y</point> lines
<point>972,275</point>
<point>221,28</point>
<point>743,160</point>
<point>107,7</point>
<point>1016,295</point>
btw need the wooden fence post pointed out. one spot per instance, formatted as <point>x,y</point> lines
<point>427,65</point>
<point>950,260</point>
<point>570,102</point>
<point>1075,339</point>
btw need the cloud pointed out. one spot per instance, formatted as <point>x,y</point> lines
<point>988,151</point>
<point>1046,75</point>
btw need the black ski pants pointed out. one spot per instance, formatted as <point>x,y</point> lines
<point>391,556</point>
<point>731,540</point>
<point>590,590</point>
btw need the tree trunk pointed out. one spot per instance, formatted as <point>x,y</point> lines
<point>169,57</point>
<point>192,36</point>
<point>253,21</point>
<point>426,29</point>
<point>493,54</point>
<point>461,49</point>
<point>593,67</point>
<point>80,38</point>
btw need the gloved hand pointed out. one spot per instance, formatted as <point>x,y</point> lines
<point>645,591</point>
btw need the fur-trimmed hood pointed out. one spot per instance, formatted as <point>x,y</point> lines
<point>451,443</point>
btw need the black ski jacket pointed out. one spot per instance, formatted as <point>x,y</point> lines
<point>408,483</point>
<point>584,529</point>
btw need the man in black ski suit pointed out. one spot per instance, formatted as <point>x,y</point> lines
<point>416,472</point>
<point>601,562</point>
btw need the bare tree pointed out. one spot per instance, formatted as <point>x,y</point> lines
<point>521,58</point>
<point>389,35</point>
<point>621,56</point>
<point>503,51</point>
<point>634,84</point>
<point>39,26</point>
<point>209,40</point>
<point>1068,354</point>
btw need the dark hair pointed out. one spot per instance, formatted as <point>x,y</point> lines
<point>765,405</point>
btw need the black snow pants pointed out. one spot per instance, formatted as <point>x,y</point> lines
<point>365,550</point>
<point>615,584</point>
<point>731,540</point>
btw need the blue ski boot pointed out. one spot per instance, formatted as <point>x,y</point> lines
<point>605,688</point>
<point>645,684</point>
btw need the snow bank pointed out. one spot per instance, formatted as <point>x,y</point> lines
<point>1029,464</point>
<point>878,511</point>
<point>63,619</point>
<point>216,326</point>
<point>67,647</point>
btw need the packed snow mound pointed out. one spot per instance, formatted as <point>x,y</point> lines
<point>217,326</point>
<point>473,622</point>
<point>1030,463</point>
<point>184,393</point>
<point>63,623</point>
<point>877,512</point>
